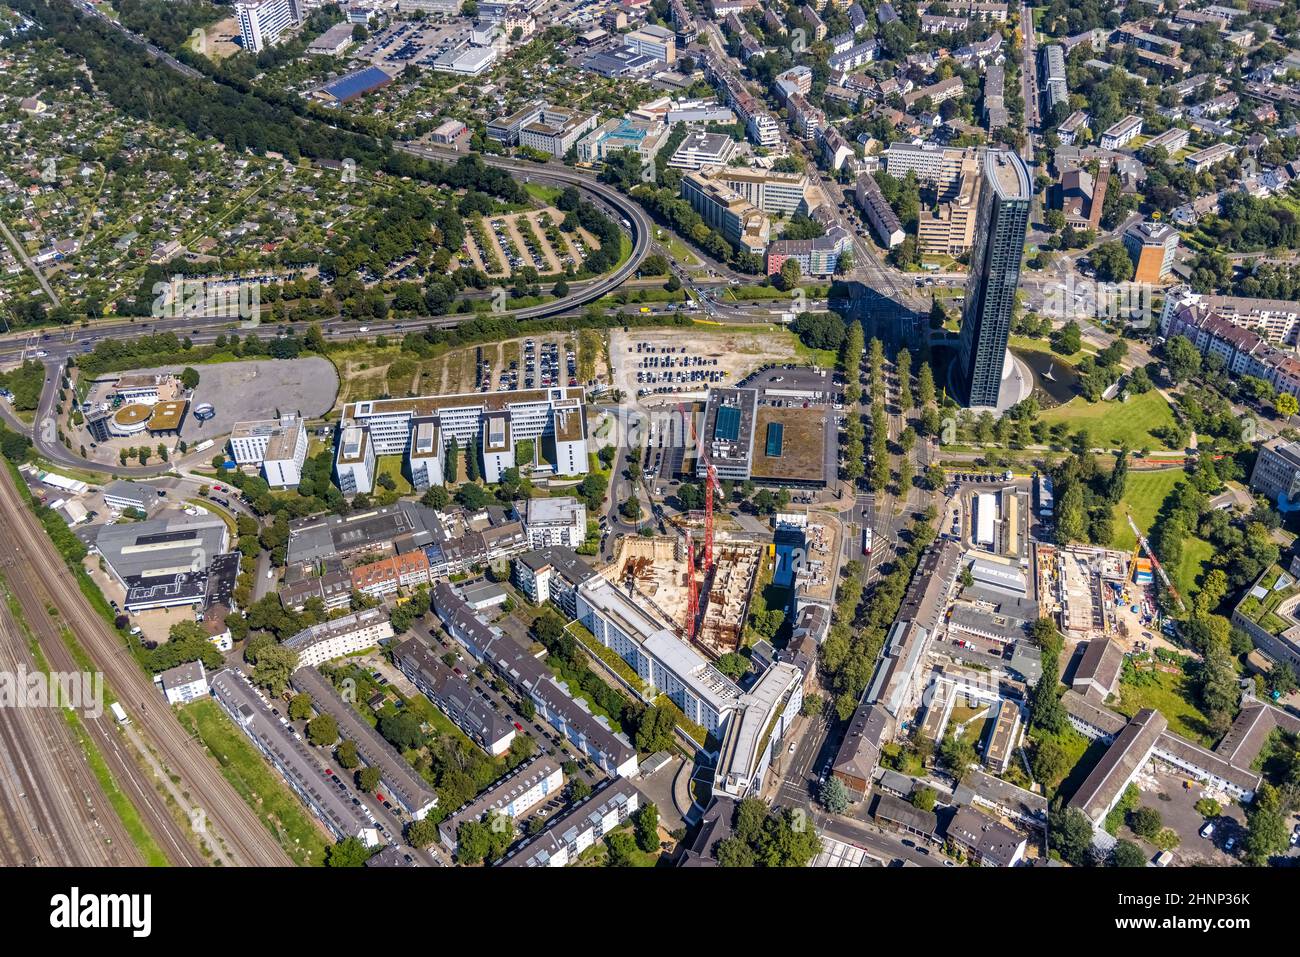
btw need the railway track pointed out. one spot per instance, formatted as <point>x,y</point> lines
<point>175,840</point>
<point>228,820</point>
<point>52,810</point>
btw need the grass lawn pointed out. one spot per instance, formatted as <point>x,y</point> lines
<point>290,822</point>
<point>1144,493</point>
<point>1171,695</point>
<point>392,465</point>
<point>1045,345</point>
<point>1114,423</point>
<point>546,194</point>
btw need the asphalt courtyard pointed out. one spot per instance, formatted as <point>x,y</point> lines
<point>257,389</point>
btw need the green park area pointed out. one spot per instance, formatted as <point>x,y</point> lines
<point>1116,422</point>
<point>1144,494</point>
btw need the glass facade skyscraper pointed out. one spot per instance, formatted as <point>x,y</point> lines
<point>1003,216</point>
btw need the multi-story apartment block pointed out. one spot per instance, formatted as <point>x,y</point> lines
<point>263,22</point>
<point>289,756</point>
<point>555,521</point>
<point>771,192</point>
<point>551,574</point>
<point>337,637</point>
<point>424,457</point>
<point>512,797</point>
<point>573,832</point>
<point>1122,133</point>
<point>453,696</point>
<point>629,627</point>
<point>880,215</point>
<point>816,257</point>
<point>185,683</point>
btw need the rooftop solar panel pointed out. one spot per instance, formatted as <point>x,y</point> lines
<point>775,434</point>
<point>727,425</point>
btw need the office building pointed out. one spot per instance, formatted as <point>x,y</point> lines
<point>1152,247</point>
<point>728,434</point>
<point>938,167</point>
<point>1277,471</point>
<point>699,149</point>
<point>771,192</point>
<point>652,41</point>
<point>556,130</point>
<point>354,463</point>
<point>496,420</point>
<point>757,732</point>
<point>642,136</point>
<point>740,222</point>
<point>1005,198</point>
<point>278,446</point>
<point>632,629</point>
<point>424,457</point>
<point>123,495</point>
<point>949,228</point>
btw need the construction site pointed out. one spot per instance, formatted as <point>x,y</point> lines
<point>1096,592</point>
<point>706,607</point>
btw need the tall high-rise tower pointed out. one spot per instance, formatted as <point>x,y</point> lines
<point>994,274</point>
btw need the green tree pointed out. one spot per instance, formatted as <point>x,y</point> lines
<point>349,852</point>
<point>834,795</point>
<point>647,828</point>
<point>368,778</point>
<point>322,730</point>
<point>422,833</point>
<point>300,707</point>
<point>347,755</point>
<point>1126,854</point>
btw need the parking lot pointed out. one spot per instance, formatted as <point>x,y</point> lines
<point>1168,794</point>
<point>688,362</point>
<point>502,245</point>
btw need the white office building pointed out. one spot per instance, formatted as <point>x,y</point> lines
<point>354,463</point>
<point>279,446</point>
<point>757,732</point>
<point>384,427</point>
<point>424,458</point>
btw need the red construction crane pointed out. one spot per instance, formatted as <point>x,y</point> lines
<point>692,594</point>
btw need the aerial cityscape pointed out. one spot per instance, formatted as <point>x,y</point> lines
<point>649,434</point>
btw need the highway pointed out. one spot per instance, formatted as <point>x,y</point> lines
<point>41,580</point>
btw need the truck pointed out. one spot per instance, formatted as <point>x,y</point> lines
<point>202,446</point>
<point>119,713</point>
